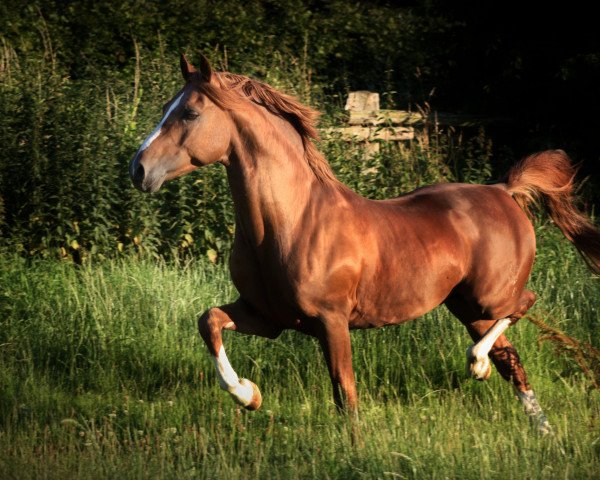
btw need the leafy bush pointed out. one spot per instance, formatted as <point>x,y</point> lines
<point>64,184</point>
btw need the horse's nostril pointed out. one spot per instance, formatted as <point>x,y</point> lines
<point>138,175</point>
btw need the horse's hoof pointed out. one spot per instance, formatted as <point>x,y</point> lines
<point>256,400</point>
<point>478,368</point>
<point>544,427</point>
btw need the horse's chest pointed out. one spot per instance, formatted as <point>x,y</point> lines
<point>269,286</point>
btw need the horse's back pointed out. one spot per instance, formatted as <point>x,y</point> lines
<point>478,214</point>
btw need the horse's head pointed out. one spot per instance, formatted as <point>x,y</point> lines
<point>193,132</point>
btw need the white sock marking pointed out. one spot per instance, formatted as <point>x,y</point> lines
<point>534,411</point>
<point>241,391</point>
<point>481,349</point>
<point>529,401</point>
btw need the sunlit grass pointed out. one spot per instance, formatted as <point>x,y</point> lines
<point>103,376</point>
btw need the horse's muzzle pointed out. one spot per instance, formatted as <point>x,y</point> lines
<point>137,173</point>
<point>148,182</point>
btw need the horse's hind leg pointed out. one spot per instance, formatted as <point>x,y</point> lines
<point>239,317</point>
<point>491,341</point>
<point>489,338</point>
<point>507,362</point>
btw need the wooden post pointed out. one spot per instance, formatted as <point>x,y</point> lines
<point>369,125</point>
<point>362,100</point>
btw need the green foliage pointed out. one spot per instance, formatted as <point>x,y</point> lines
<point>93,36</point>
<point>64,185</point>
<point>63,171</point>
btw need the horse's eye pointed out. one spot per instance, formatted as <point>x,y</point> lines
<point>189,114</point>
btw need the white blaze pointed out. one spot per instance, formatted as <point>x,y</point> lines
<point>158,128</point>
<point>241,391</point>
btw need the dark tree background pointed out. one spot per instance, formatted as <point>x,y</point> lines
<point>539,67</point>
<point>80,81</point>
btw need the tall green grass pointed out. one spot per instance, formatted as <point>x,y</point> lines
<point>103,376</point>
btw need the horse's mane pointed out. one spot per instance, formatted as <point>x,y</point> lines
<point>226,89</point>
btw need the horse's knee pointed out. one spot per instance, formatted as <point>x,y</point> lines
<point>210,329</point>
<point>203,321</point>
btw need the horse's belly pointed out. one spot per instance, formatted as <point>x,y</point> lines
<point>393,311</point>
<point>404,295</point>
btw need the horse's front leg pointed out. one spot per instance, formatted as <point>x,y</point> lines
<point>334,337</point>
<point>240,317</point>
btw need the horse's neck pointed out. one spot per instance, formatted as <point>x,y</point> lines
<point>271,182</point>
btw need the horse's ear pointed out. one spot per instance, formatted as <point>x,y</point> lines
<point>187,69</point>
<point>205,68</point>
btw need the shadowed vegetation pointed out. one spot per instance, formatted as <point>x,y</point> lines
<point>102,372</point>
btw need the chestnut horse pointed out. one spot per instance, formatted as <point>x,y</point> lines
<point>311,255</point>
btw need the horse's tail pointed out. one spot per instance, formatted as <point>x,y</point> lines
<point>549,176</point>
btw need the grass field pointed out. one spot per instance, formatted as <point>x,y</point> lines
<point>103,375</point>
